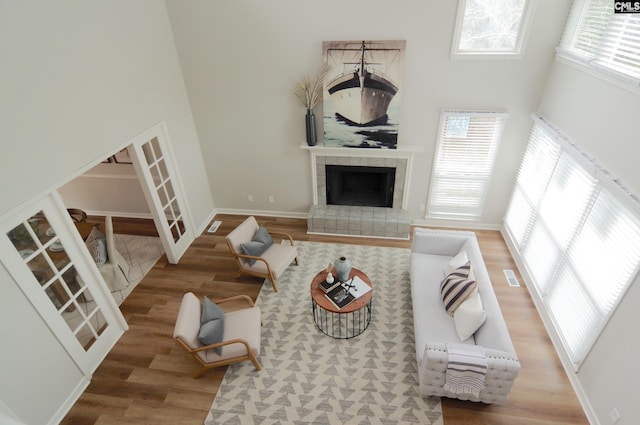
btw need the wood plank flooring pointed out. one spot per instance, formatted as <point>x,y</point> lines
<point>147,377</point>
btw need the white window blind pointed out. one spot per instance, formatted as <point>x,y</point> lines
<point>569,191</point>
<point>490,26</point>
<point>463,164</point>
<point>620,45</point>
<point>579,239</point>
<point>596,35</point>
<point>560,212</point>
<point>538,164</point>
<point>599,264</point>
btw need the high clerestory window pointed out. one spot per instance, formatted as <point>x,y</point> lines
<point>490,28</point>
<point>602,38</point>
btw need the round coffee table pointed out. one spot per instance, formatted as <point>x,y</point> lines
<point>344,323</point>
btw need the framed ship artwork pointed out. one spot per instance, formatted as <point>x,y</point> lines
<point>362,91</point>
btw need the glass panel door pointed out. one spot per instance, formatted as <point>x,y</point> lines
<point>164,187</point>
<point>53,270</point>
<point>153,163</point>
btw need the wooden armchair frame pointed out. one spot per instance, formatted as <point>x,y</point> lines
<point>249,356</point>
<point>239,257</point>
<point>77,215</point>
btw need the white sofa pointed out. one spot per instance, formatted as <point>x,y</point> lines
<point>431,253</point>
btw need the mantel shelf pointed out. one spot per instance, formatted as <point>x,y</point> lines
<point>401,152</point>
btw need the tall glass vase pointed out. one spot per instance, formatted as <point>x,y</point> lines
<point>311,128</point>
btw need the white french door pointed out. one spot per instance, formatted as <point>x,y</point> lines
<point>153,161</point>
<point>45,256</point>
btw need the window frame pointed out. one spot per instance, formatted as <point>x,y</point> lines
<point>592,65</point>
<point>439,172</point>
<point>523,217</point>
<point>515,53</point>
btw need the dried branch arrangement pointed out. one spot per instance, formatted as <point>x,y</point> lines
<point>309,90</point>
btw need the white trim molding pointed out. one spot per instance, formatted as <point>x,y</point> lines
<point>363,157</point>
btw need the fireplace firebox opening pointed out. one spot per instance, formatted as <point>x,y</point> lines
<point>360,186</point>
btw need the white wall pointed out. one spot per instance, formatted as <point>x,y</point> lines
<point>78,80</point>
<point>35,369</point>
<point>81,79</point>
<point>112,189</point>
<point>601,116</point>
<point>241,60</point>
<point>603,119</point>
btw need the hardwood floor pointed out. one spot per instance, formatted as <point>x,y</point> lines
<point>147,377</point>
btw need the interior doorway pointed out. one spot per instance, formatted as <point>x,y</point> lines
<point>138,181</point>
<point>135,240</point>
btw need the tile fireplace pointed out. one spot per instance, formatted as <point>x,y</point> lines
<point>360,192</point>
<point>360,186</point>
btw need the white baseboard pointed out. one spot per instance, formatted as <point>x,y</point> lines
<point>199,229</point>
<point>120,214</point>
<point>264,213</point>
<point>70,401</point>
<point>455,224</point>
<point>205,225</point>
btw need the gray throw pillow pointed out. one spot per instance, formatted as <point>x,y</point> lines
<point>98,250</point>
<point>96,243</point>
<point>211,324</point>
<point>260,242</point>
<point>95,234</point>
<point>262,235</point>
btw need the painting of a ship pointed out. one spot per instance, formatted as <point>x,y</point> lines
<point>360,90</point>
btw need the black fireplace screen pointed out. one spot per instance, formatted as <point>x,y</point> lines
<point>360,186</point>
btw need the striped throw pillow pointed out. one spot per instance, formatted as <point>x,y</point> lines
<point>457,287</point>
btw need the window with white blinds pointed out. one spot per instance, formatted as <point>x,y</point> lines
<point>596,35</point>
<point>463,164</point>
<point>578,235</point>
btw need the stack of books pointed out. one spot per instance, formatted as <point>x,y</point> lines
<point>342,294</point>
<point>326,286</point>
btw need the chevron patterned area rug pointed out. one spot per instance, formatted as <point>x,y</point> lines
<point>311,378</point>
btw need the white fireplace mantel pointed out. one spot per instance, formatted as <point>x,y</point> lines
<point>353,156</point>
<point>404,151</point>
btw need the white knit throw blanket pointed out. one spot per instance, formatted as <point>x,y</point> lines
<point>466,369</point>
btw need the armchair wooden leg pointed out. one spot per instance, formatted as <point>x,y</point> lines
<point>254,360</point>
<point>273,283</point>
<point>199,373</point>
<point>297,262</point>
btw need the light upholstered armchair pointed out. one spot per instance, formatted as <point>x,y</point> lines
<point>240,339</point>
<point>256,254</point>
<point>113,267</point>
<point>116,269</point>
